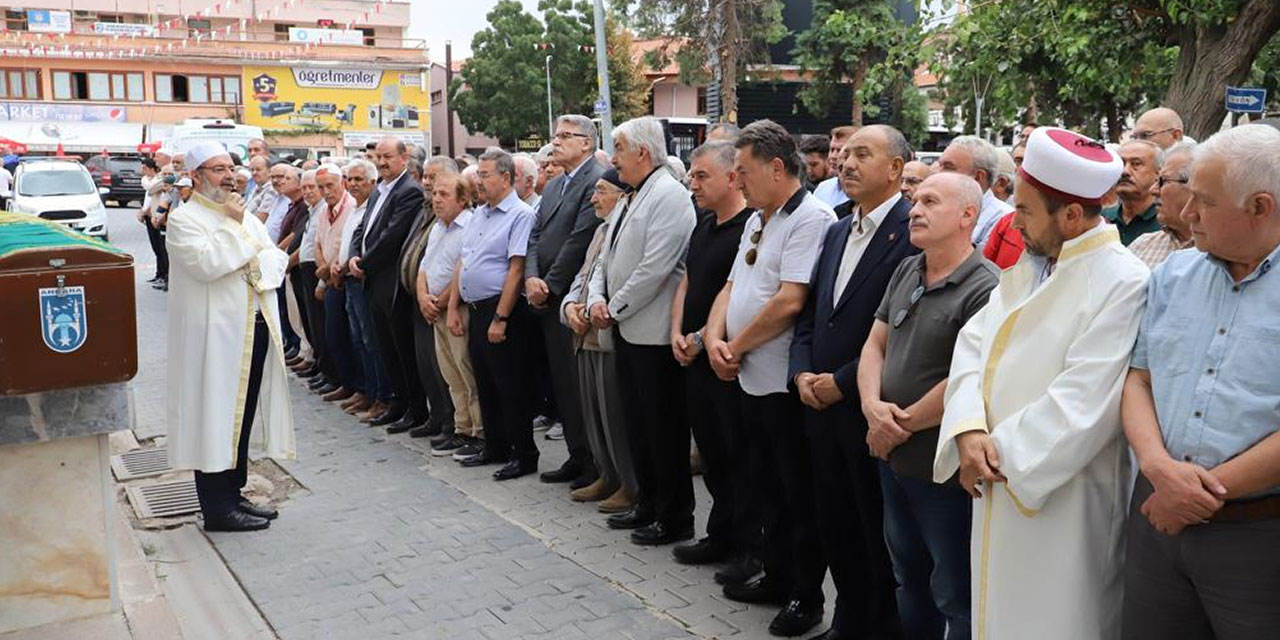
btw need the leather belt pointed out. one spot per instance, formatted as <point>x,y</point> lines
<point>486,303</point>
<point>1248,510</point>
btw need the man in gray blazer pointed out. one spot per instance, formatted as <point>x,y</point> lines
<point>558,244</point>
<point>632,288</point>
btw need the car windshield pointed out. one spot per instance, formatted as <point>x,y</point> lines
<point>55,183</point>
<point>126,164</point>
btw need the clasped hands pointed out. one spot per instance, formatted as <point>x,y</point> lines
<point>1185,494</point>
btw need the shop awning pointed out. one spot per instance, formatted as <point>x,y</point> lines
<point>75,137</point>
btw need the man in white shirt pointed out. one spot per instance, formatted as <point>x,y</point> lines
<point>830,190</point>
<point>976,158</point>
<point>749,338</point>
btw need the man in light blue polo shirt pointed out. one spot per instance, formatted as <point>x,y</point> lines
<point>1200,409</point>
<point>489,281</point>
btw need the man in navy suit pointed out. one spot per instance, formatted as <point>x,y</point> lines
<point>859,255</point>
<point>375,253</point>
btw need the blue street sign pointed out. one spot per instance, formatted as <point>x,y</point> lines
<point>1246,100</point>
<point>601,107</point>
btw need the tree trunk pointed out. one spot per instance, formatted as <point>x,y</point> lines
<point>855,84</point>
<point>1211,58</point>
<point>730,49</point>
<point>1114,124</point>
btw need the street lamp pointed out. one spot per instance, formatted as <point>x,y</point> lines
<point>551,120</point>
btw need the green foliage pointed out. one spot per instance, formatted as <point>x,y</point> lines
<point>1266,73</point>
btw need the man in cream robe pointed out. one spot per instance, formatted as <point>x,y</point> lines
<point>225,356</point>
<point>1032,418</point>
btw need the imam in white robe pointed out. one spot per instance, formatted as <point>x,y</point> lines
<point>221,272</point>
<point>1041,368</point>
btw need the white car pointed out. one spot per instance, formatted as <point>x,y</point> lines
<point>60,191</point>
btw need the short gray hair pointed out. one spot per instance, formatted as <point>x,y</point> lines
<point>367,167</point>
<point>502,161</point>
<point>983,154</point>
<point>1183,147</point>
<point>1156,152</point>
<point>730,129</point>
<point>583,124</point>
<point>444,162</point>
<point>297,173</point>
<point>645,133</point>
<point>544,154</point>
<point>722,152</point>
<point>309,174</point>
<point>525,165</point>
<point>329,167</point>
<point>242,171</point>
<point>1252,156</point>
<point>1007,169</point>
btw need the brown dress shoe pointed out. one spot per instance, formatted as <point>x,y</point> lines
<point>341,393</point>
<point>293,361</point>
<point>594,492</point>
<point>302,366</point>
<point>616,503</point>
<point>359,407</point>
<point>374,411</point>
<point>355,399</point>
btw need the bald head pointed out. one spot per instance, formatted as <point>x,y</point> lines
<point>946,208</point>
<point>1162,126</point>
<point>913,173</point>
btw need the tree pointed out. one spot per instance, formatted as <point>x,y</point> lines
<point>501,91</point>
<point>710,39</point>
<point>627,85</point>
<point>839,48</point>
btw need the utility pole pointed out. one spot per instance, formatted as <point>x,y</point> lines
<point>448,86</point>
<point>602,75</point>
<point>551,119</point>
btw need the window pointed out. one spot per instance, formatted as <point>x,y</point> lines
<point>197,27</point>
<point>437,97</point>
<point>20,84</point>
<point>369,39</point>
<point>15,20</point>
<point>702,100</point>
<point>111,17</point>
<point>97,85</point>
<point>197,88</point>
<point>282,32</point>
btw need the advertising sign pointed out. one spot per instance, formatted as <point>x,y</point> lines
<point>326,36</point>
<point>35,112</point>
<point>44,21</point>
<point>336,98</point>
<point>358,139</point>
<point>122,29</point>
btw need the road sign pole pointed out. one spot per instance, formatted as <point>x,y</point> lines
<point>602,73</point>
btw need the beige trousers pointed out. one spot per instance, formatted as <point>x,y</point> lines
<point>455,366</point>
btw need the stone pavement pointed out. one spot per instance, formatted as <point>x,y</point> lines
<point>389,541</point>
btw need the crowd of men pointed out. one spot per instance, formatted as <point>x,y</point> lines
<point>932,381</point>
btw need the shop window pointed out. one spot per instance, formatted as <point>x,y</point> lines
<point>20,84</point>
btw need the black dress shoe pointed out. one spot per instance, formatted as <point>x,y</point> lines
<point>742,568</point>
<point>584,479</point>
<point>291,352</point>
<point>236,521</point>
<point>312,373</point>
<point>566,473</point>
<point>324,389</point>
<point>407,423</point>
<point>265,512</point>
<point>762,590</point>
<point>387,419</point>
<point>631,519</point>
<point>483,458</point>
<point>424,431</point>
<point>704,551</point>
<point>797,617</point>
<point>514,469</point>
<point>659,534</point>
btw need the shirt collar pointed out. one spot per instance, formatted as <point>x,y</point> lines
<point>1114,213</point>
<point>1263,267</point>
<point>459,222</point>
<point>386,185</point>
<point>507,204</point>
<point>569,176</point>
<point>877,215</point>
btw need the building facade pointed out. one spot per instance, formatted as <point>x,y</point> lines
<point>318,76</point>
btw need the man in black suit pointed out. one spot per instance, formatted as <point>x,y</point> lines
<point>859,255</point>
<point>558,244</point>
<point>375,255</point>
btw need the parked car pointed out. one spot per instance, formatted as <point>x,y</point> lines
<point>62,191</point>
<point>121,175</point>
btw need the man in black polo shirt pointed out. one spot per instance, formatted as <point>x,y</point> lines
<point>712,404</point>
<point>902,377</point>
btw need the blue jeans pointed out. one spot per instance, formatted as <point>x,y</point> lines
<point>337,332</point>
<point>926,527</point>
<point>377,385</point>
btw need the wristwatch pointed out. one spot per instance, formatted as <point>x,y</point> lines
<point>697,339</point>
<point>497,317</point>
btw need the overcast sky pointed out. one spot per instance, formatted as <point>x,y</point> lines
<point>456,20</point>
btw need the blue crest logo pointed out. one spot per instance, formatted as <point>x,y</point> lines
<point>63,323</point>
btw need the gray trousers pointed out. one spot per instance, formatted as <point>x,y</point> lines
<point>1212,581</point>
<point>604,419</point>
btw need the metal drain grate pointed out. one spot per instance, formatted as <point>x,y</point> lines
<point>164,499</point>
<point>141,463</point>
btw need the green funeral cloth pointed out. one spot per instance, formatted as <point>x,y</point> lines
<point>21,232</point>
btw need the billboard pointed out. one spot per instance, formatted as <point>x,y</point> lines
<point>326,36</point>
<point>40,112</point>
<point>336,99</point>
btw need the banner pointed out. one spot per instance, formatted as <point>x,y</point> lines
<point>36,112</point>
<point>326,36</point>
<point>358,139</point>
<point>122,29</point>
<point>44,21</point>
<point>336,98</point>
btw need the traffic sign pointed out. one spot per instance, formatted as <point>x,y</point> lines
<point>1246,100</point>
<point>602,106</point>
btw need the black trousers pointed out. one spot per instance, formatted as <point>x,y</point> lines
<point>219,492</point>
<point>438,399</point>
<point>502,380</point>
<point>851,513</point>
<point>298,285</point>
<point>393,326</point>
<point>715,413</point>
<point>772,426</point>
<point>557,340</point>
<point>651,395</point>
<point>315,320</point>
<point>156,240</point>
<point>288,335</point>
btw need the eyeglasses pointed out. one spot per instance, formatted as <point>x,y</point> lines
<point>1162,181</point>
<point>1147,135</point>
<point>565,135</point>
<point>915,299</point>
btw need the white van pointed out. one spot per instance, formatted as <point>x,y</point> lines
<point>60,190</point>
<point>193,131</point>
